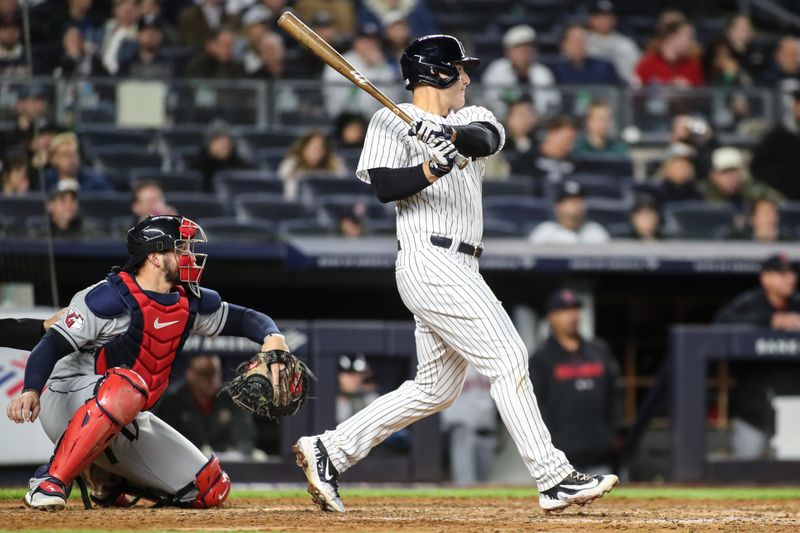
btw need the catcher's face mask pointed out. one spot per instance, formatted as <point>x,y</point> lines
<point>190,262</point>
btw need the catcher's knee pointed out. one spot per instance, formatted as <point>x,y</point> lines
<point>213,485</point>
<point>121,394</point>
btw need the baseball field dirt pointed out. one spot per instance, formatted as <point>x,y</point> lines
<point>630,509</point>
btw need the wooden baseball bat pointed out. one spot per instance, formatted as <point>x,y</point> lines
<point>308,38</point>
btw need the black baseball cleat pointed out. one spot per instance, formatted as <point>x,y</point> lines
<point>323,479</point>
<point>576,488</point>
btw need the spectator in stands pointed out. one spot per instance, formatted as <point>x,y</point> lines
<point>504,77</point>
<point>147,198</point>
<point>764,224</point>
<point>12,53</point>
<point>576,67</point>
<point>63,214</point>
<point>776,159</point>
<point>603,41</point>
<point>570,226</point>
<point>420,19</point>
<point>731,60</point>
<point>357,389</point>
<point>350,225</point>
<point>219,152</point>
<point>367,57</point>
<point>307,64</point>
<point>122,26</point>
<point>39,147</point>
<point>351,129</point>
<point>31,109</point>
<point>78,58</point>
<point>311,154</point>
<point>271,55</point>
<point>471,426</point>
<point>774,305</point>
<point>77,13</point>
<point>577,387</point>
<point>645,220</point>
<point>65,158</point>
<point>551,164</point>
<point>200,413</point>
<point>254,26</point>
<point>150,13</point>
<point>342,11</point>
<point>677,180</point>
<point>694,137</point>
<point>672,62</point>
<point>598,138</point>
<point>202,22</point>
<point>520,148</point>
<point>396,35</point>
<point>144,57</point>
<point>217,61</point>
<point>728,183</point>
<point>785,66</point>
<point>15,172</point>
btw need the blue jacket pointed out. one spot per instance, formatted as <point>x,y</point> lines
<point>88,179</point>
<point>594,71</point>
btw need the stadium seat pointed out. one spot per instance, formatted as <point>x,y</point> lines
<point>170,181</point>
<point>510,187</point>
<point>386,226</point>
<point>790,214</point>
<point>105,205</point>
<point>595,186</point>
<point>269,157</point>
<point>607,212</point>
<point>312,188</point>
<point>501,228</point>
<point>523,212</point>
<point>124,159</point>
<point>98,138</point>
<point>268,207</point>
<point>228,228</point>
<point>196,205</point>
<point>229,184</point>
<point>334,206</point>
<point>20,208</point>
<point>616,166</point>
<point>701,220</point>
<point>305,227</point>
<point>184,138</point>
<point>273,138</point>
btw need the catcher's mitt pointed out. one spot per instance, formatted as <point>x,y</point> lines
<point>254,388</point>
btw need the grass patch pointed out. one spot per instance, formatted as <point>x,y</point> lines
<point>640,493</point>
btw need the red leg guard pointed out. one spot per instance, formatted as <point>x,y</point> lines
<point>121,394</point>
<point>213,485</point>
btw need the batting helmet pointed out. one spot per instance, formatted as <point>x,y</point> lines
<point>162,233</point>
<point>428,58</point>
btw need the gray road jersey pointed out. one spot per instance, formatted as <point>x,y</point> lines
<point>86,331</point>
<point>453,205</point>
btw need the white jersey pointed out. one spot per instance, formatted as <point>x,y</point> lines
<point>452,206</point>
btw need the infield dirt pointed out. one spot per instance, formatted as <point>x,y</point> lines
<point>420,514</point>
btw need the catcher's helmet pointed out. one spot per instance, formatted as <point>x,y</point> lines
<point>428,57</point>
<point>162,233</point>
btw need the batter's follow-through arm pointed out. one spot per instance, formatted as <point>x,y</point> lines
<point>308,38</point>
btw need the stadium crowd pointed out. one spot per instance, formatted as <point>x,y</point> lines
<point>567,171</point>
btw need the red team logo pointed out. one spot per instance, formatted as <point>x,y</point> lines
<point>73,319</point>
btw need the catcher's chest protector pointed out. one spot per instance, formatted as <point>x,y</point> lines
<point>155,335</point>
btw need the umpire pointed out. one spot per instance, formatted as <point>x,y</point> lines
<point>577,385</point>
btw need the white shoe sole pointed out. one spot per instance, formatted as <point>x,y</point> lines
<point>304,453</point>
<point>45,502</point>
<point>585,497</point>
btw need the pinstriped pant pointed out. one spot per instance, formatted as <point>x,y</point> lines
<point>459,321</point>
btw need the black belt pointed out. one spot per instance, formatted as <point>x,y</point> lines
<point>447,242</point>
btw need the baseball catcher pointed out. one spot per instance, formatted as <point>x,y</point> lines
<point>99,369</point>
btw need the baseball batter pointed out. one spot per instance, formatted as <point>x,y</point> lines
<point>459,321</point>
<point>108,359</point>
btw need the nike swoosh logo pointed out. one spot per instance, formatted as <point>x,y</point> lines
<point>580,487</point>
<point>160,325</point>
<point>327,474</point>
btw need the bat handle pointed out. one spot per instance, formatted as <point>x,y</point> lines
<point>461,161</point>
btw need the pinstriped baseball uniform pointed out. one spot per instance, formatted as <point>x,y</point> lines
<point>459,320</point>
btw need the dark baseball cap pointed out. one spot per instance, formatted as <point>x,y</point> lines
<point>322,18</point>
<point>568,189</point>
<point>11,21</point>
<point>563,299</point>
<point>601,7</point>
<point>154,23</point>
<point>777,263</point>
<point>369,30</point>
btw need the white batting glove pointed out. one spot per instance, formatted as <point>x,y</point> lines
<point>427,131</point>
<point>443,156</point>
